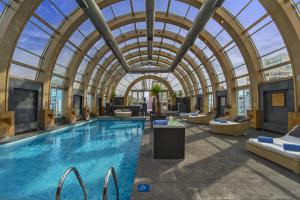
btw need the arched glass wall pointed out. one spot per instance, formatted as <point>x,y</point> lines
<point>50,16</point>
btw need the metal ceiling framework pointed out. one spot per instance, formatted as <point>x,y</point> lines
<point>92,10</point>
<point>205,13</point>
<point>137,16</point>
<point>150,13</point>
<point>16,17</point>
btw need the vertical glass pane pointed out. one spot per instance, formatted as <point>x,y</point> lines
<point>278,73</point>
<point>56,101</point>
<point>210,102</point>
<point>243,101</point>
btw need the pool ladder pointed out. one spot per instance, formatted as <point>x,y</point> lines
<point>110,172</point>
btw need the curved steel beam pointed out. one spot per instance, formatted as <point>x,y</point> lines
<point>150,13</point>
<point>94,13</point>
<point>205,13</point>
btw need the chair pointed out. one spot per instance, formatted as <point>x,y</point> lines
<point>275,151</point>
<point>235,127</point>
<point>186,115</point>
<point>125,113</point>
<point>201,118</point>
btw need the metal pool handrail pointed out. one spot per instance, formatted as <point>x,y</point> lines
<point>62,180</point>
<point>110,172</point>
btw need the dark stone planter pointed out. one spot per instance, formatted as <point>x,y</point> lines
<point>169,143</point>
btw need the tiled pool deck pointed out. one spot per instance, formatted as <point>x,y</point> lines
<point>215,167</point>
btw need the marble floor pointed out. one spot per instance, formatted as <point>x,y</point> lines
<point>215,167</point>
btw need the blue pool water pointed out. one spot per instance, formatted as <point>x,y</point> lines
<point>31,169</point>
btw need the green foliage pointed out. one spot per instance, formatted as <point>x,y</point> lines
<point>174,94</point>
<point>155,90</point>
<point>180,93</point>
<point>113,94</point>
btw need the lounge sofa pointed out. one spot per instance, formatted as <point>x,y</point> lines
<point>124,113</point>
<point>235,127</point>
<point>186,115</point>
<point>276,152</point>
<point>201,118</point>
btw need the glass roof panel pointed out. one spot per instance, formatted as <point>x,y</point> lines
<point>240,71</point>
<point>60,70</point>
<point>179,8</point>
<point>121,8</point>
<point>22,72</point>
<point>26,58</point>
<point>141,25</point>
<point>251,13</point>
<point>161,5</point>
<point>2,7</point>
<point>213,27</point>
<point>87,28</point>
<point>192,14</point>
<point>234,6</point>
<point>65,56</point>
<point>77,38</point>
<point>33,39</point>
<point>66,6</point>
<point>50,13</point>
<point>138,5</point>
<point>268,39</point>
<point>107,13</point>
<point>83,65</point>
<point>235,56</point>
<point>127,28</point>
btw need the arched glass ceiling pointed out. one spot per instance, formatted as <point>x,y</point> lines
<point>265,35</point>
<point>129,78</point>
<point>49,16</point>
<point>106,83</point>
<point>146,84</point>
<point>36,35</point>
<point>155,49</point>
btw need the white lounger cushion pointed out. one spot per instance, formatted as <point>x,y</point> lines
<point>223,124</point>
<point>277,145</point>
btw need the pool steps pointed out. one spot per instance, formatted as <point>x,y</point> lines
<point>110,172</point>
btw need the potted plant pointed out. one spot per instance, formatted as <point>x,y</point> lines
<point>113,95</point>
<point>156,89</point>
<point>155,92</point>
<point>174,96</point>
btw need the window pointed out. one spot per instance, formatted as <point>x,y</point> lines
<point>210,102</point>
<point>89,101</point>
<point>56,101</point>
<point>243,101</point>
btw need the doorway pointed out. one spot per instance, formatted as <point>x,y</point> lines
<point>77,104</point>
<point>221,105</point>
<point>26,109</point>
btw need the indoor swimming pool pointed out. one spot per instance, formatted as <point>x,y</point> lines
<point>31,168</point>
